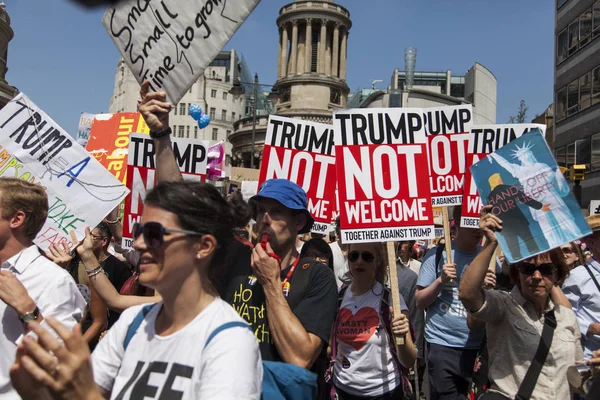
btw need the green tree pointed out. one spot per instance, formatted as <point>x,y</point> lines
<point>521,114</point>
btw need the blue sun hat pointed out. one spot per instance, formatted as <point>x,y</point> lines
<point>289,194</point>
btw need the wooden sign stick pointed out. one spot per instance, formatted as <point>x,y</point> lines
<point>393,276</point>
<point>447,239</point>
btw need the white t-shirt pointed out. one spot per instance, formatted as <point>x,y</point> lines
<point>364,363</point>
<point>412,264</point>
<point>177,365</point>
<point>340,263</point>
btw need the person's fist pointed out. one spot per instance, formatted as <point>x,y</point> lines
<point>400,326</point>
<point>154,108</point>
<point>448,273</point>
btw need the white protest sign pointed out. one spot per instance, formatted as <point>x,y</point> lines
<point>85,126</point>
<point>171,42</point>
<point>80,190</point>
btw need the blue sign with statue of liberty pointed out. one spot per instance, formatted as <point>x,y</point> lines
<point>530,195</point>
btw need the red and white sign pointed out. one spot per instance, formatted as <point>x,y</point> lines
<point>190,155</point>
<point>303,152</point>
<point>383,194</point>
<point>483,140</point>
<point>447,130</point>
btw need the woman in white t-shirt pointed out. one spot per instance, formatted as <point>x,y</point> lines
<point>183,239</point>
<point>366,366</point>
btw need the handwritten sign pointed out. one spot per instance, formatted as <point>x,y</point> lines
<point>171,42</point>
<point>85,126</point>
<point>303,152</point>
<point>383,194</point>
<point>109,140</point>
<point>447,130</point>
<point>35,148</point>
<point>191,156</point>
<point>528,192</point>
<point>483,140</point>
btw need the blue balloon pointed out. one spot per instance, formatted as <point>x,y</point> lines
<point>204,121</point>
<point>195,111</point>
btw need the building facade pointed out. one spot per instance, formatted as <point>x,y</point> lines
<point>312,66</point>
<point>577,90</point>
<point>210,92</point>
<point>7,92</point>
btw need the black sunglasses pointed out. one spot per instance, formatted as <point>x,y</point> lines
<point>529,269</point>
<point>367,256</point>
<point>154,233</point>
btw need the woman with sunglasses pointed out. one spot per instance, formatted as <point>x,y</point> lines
<point>366,364</point>
<point>573,255</point>
<point>515,320</point>
<point>184,238</point>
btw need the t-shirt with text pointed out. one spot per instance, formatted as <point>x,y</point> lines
<point>364,363</point>
<point>177,365</point>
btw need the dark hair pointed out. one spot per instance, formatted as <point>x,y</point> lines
<point>199,207</point>
<point>240,209</point>
<point>556,257</point>
<point>105,232</point>
<point>321,246</point>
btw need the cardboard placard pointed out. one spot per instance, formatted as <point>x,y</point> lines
<point>483,140</point>
<point>85,126</point>
<point>303,152</point>
<point>81,192</point>
<point>383,194</point>
<point>171,42</point>
<point>191,156</point>
<point>528,192</point>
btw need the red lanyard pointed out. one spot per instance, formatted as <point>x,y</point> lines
<point>291,271</point>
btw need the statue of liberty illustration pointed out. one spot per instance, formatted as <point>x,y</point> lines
<point>548,186</point>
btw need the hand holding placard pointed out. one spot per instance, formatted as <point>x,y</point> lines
<point>154,108</point>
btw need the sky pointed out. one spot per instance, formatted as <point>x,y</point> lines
<point>63,59</point>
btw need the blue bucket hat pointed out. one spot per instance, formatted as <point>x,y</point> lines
<point>289,194</point>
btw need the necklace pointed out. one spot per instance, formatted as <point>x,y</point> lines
<point>104,259</point>
<point>361,299</point>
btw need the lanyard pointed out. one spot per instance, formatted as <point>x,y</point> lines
<point>291,271</point>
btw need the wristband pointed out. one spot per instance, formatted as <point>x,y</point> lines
<point>116,221</point>
<point>165,132</point>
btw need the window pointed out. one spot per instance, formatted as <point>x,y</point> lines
<point>583,153</point>
<point>585,91</point>
<point>215,133</point>
<point>585,27</point>
<point>562,46</point>
<point>227,134</point>
<point>182,109</point>
<point>181,127</point>
<point>224,115</point>
<point>233,116</point>
<point>213,93</point>
<point>573,97</point>
<point>560,155</point>
<point>196,132</point>
<point>573,36</point>
<point>187,131</point>
<point>570,155</point>
<point>560,3</point>
<point>561,104</point>
<point>595,156</point>
<point>212,113</point>
<point>175,110</point>
<point>596,85</point>
<point>224,95</point>
<point>191,87</point>
<point>596,18</point>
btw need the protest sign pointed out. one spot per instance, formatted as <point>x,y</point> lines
<point>232,186</point>
<point>528,192</point>
<point>594,207</point>
<point>35,148</point>
<point>483,140</point>
<point>171,43</point>
<point>191,156</point>
<point>109,140</point>
<point>85,126</point>
<point>383,195</point>
<point>303,152</point>
<point>447,130</point>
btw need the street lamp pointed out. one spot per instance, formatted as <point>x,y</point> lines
<point>238,90</point>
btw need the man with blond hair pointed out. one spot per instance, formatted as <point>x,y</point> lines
<point>31,286</point>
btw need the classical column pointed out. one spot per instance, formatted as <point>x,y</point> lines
<point>308,46</point>
<point>336,50</point>
<point>294,48</point>
<point>343,55</point>
<point>323,45</point>
<point>284,51</point>
<point>279,74</point>
<point>328,55</point>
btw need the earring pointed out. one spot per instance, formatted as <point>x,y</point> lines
<point>198,256</point>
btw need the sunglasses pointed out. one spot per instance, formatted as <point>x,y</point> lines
<point>367,256</point>
<point>154,233</point>
<point>529,269</point>
<point>567,250</point>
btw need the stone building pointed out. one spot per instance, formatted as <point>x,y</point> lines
<point>312,64</point>
<point>7,92</point>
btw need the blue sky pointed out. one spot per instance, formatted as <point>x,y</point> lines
<point>62,58</point>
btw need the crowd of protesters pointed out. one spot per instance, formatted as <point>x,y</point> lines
<point>202,308</point>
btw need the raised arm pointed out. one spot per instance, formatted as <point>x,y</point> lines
<point>504,164</point>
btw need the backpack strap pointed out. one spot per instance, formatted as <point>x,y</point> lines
<point>225,326</point>
<point>438,257</point>
<point>592,276</point>
<point>135,324</point>
<point>387,323</point>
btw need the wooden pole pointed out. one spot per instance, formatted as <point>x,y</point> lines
<point>393,275</point>
<point>447,239</point>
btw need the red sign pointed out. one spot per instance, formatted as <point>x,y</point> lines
<point>303,152</point>
<point>190,154</point>
<point>483,140</point>
<point>447,130</point>
<point>383,194</point>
